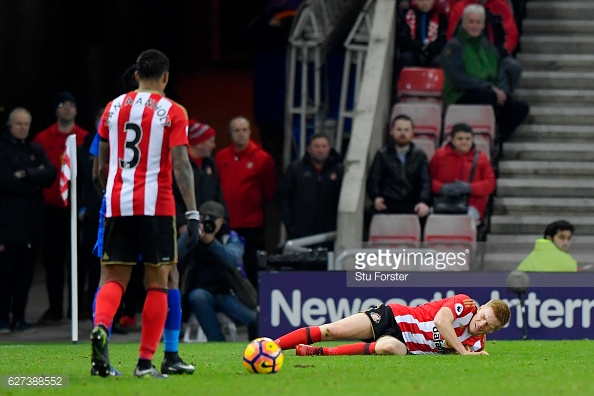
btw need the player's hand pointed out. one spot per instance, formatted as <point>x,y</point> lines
<point>193,225</point>
<point>475,353</point>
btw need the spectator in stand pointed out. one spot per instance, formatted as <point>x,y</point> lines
<point>57,232</point>
<point>208,290</point>
<point>550,254</point>
<point>248,181</point>
<point>398,180</point>
<point>473,74</point>
<point>500,29</point>
<point>500,26</point>
<point>24,170</point>
<point>207,186</point>
<point>308,193</point>
<point>450,170</point>
<point>421,33</point>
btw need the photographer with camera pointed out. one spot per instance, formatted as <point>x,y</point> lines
<point>206,278</point>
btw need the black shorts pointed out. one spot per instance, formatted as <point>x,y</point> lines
<point>151,237</point>
<point>383,323</point>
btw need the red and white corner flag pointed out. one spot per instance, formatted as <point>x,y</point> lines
<point>66,171</point>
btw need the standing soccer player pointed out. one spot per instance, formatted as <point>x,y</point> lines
<point>143,135</point>
<point>451,325</point>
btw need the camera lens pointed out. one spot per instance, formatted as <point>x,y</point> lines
<point>208,224</point>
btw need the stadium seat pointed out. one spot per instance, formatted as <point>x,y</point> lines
<point>451,233</point>
<point>480,117</point>
<point>425,116</point>
<point>420,82</point>
<point>426,145</point>
<point>194,333</point>
<point>395,229</point>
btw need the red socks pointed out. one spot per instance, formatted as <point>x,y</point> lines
<point>107,303</point>
<point>304,335</point>
<point>154,314</point>
<point>360,348</point>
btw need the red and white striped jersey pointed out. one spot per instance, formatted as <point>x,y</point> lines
<point>422,336</point>
<point>141,127</point>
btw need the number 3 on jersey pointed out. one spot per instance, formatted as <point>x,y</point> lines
<point>132,129</point>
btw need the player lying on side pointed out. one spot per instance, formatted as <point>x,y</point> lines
<point>451,325</point>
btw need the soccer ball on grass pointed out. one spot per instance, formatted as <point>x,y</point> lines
<point>263,356</point>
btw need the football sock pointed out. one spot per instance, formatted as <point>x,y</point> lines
<point>154,314</point>
<point>94,305</point>
<point>360,348</point>
<point>173,321</point>
<point>304,335</point>
<point>107,303</point>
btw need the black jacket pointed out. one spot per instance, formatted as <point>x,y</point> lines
<point>308,201</point>
<point>389,179</point>
<point>21,200</point>
<point>207,187</point>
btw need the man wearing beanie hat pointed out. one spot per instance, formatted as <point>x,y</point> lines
<point>207,187</point>
<point>207,288</point>
<point>57,233</point>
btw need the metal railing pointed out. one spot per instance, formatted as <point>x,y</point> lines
<point>317,28</point>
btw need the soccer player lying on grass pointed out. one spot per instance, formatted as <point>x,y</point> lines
<point>452,325</point>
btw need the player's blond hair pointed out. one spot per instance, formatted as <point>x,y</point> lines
<point>501,311</point>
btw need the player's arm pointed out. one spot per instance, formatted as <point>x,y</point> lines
<point>444,320</point>
<point>184,177</point>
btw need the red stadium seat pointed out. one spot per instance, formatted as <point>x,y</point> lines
<point>420,82</point>
<point>452,233</point>
<point>425,116</point>
<point>427,145</point>
<point>480,117</point>
<point>395,230</point>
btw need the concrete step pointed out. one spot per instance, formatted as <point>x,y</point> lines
<point>514,224</point>
<point>561,26</point>
<point>510,261</point>
<point>579,242</point>
<point>541,206</point>
<point>551,44</point>
<point>561,115</point>
<point>560,10</point>
<point>554,133</point>
<point>556,97</point>
<point>545,169</point>
<point>566,80</point>
<point>548,151</point>
<point>550,187</point>
<point>556,62</point>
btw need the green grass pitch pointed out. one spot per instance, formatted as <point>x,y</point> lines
<point>513,368</point>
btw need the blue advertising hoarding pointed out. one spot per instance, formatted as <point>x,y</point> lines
<point>558,305</point>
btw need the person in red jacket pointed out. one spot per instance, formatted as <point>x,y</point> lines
<point>450,169</point>
<point>248,181</point>
<point>57,233</point>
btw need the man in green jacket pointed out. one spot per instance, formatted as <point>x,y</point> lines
<point>550,254</point>
<point>474,73</point>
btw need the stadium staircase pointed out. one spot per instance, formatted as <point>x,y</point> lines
<point>547,169</point>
